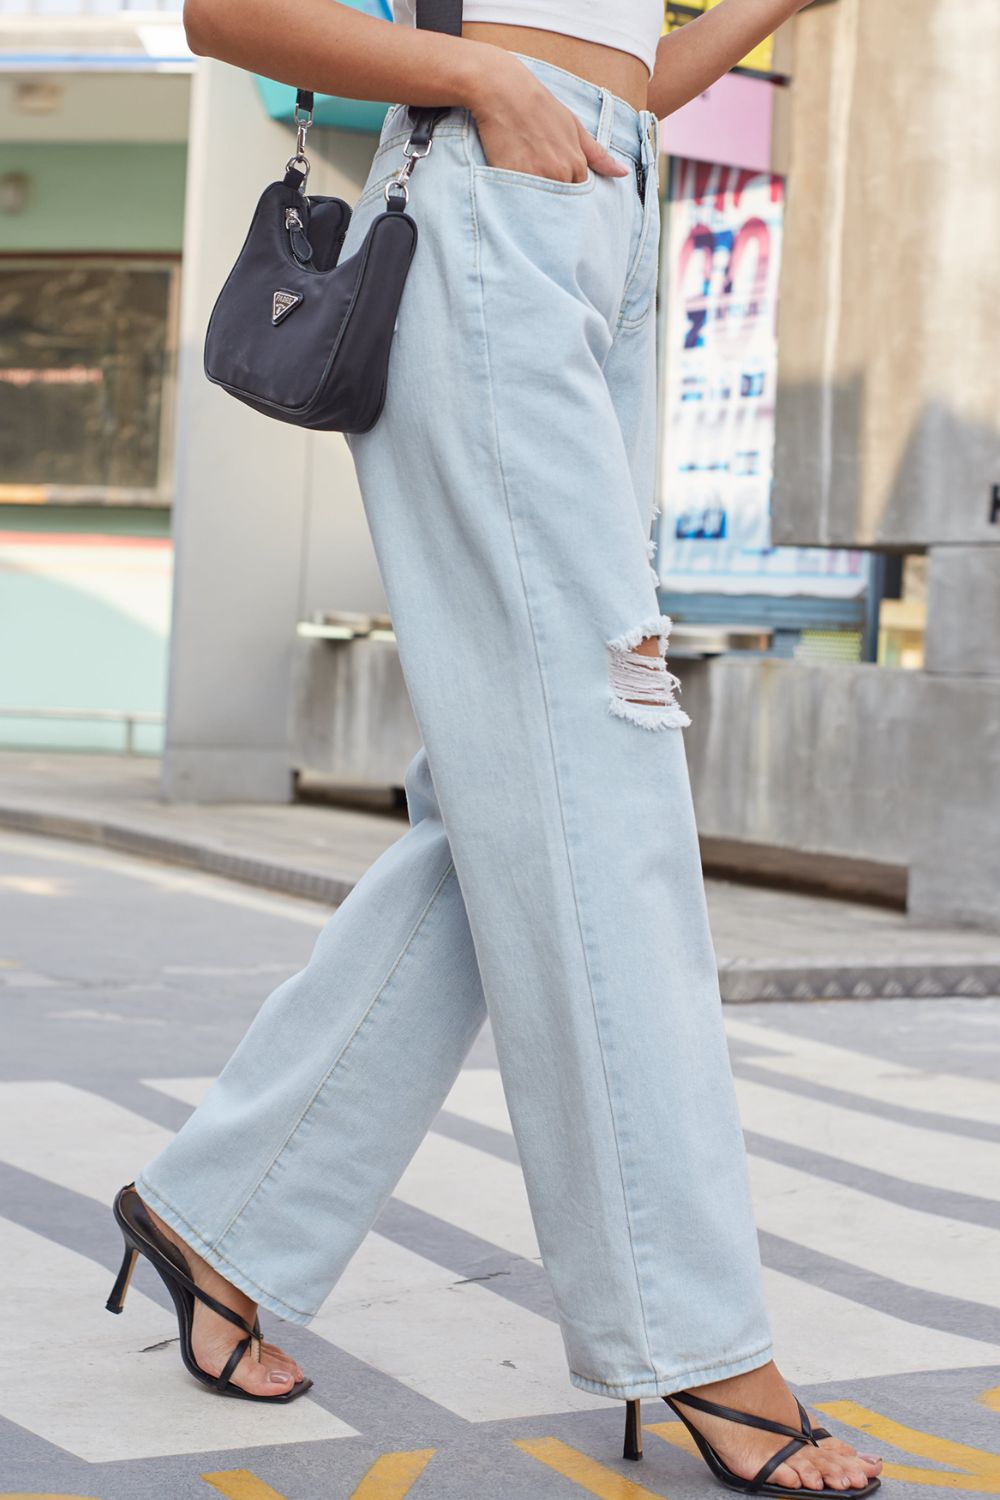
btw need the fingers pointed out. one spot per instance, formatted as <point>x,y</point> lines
<point>600,159</point>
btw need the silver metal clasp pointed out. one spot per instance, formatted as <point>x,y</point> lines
<point>302,119</point>
<point>398,183</point>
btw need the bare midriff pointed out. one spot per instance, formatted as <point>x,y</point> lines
<point>608,67</point>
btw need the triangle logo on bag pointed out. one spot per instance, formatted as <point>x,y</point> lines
<point>282,304</point>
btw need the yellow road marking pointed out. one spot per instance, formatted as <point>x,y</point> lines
<point>391,1476</point>
<point>979,1472</point>
<point>674,1432</point>
<point>240,1484</point>
<point>991,1398</point>
<point>586,1472</point>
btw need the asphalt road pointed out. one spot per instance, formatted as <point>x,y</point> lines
<point>874,1133</point>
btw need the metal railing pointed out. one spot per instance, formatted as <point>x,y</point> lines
<point>128,717</point>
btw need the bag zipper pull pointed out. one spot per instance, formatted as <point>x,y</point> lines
<point>301,248</point>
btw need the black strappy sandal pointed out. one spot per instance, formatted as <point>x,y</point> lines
<point>142,1237</point>
<point>758,1485</point>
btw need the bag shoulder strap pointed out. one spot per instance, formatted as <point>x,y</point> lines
<point>440,15</point>
<point>431,15</point>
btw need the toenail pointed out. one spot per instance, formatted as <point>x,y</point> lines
<point>279,1377</point>
<point>872,1458</point>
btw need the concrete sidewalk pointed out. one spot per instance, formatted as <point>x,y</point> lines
<point>771,944</point>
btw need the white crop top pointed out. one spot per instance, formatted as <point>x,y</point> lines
<point>631,25</point>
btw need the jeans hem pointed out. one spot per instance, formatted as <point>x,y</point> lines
<point>208,1252</point>
<point>665,1385</point>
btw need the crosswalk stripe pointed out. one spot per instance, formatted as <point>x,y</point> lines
<point>878,1078</point>
<point>188,1090</point>
<point>100,1388</point>
<point>477,1094</point>
<point>76,1139</point>
<point>917,1155</point>
<point>906,1245</point>
<point>392,1476</point>
<point>592,1477</point>
<point>480,1356</point>
<point>868,1342</point>
<point>473,1190</point>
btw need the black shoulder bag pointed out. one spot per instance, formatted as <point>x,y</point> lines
<point>293,333</point>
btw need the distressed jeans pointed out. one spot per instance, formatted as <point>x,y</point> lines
<point>550,876</point>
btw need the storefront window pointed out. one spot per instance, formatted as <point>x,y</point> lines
<point>86,369</point>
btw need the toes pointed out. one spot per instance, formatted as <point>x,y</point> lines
<point>262,1379</point>
<point>855,1469</point>
<point>279,1357</point>
<point>809,1475</point>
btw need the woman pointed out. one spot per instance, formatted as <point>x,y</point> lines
<point>551,873</point>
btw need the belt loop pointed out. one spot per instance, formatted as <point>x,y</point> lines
<point>652,134</point>
<point>606,120</point>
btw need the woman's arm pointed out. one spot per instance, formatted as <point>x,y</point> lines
<point>328,47</point>
<point>322,45</point>
<point>696,55</point>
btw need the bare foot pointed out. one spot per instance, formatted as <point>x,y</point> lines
<point>264,1370</point>
<point>829,1464</point>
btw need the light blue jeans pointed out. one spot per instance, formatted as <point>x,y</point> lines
<point>550,875</point>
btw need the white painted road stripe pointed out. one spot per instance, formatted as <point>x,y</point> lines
<point>75,1138</point>
<point>878,1078</point>
<point>477,1094</point>
<point>480,1356</point>
<point>473,1190</point>
<point>78,1377</point>
<point>928,1251</point>
<point>821,1336</point>
<point>188,1090</point>
<point>921,1156</point>
<point>404,1315</point>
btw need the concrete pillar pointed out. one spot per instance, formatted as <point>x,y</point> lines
<point>955,765</point>
<point>268,522</point>
<point>888,409</point>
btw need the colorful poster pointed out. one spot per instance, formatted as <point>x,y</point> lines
<point>723,255</point>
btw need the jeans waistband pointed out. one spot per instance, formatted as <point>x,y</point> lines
<point>610,119</point>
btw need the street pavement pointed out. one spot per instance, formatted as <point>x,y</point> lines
<point>874,1137</point>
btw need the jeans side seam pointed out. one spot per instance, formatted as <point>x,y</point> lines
<point>314,1096</point>
<point>555,774</point>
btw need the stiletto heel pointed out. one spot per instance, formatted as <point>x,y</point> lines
<point>633,1430</point>
<point>758,1485</point>
<point>116,1301</point>
<point>142,1237</point>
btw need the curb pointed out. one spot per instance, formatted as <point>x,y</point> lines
<point>933,978</point>
<point>210,860</point>
<point>740,981</point>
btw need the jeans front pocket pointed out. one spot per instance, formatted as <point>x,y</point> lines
<point>488,172</point>
<point>533,180</point>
